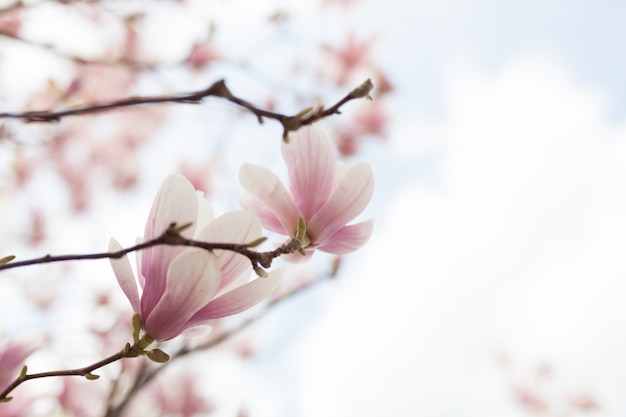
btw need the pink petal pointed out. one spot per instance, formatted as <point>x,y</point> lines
<point>124,274</point>
<point>348,238</point>
<point>266,187</point>
<point>311,162</point>
<point>192,280</point>
<point>348,200</point>
<point>268,218</point>
<point>241,226</point>
<point>239,299</point>
<point>176,202</point>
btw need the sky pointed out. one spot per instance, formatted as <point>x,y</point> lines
<point>499,244</point>
<point>500,231</point>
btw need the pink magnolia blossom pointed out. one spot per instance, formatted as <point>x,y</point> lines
<point>183,286</point>
<point>327,194</point>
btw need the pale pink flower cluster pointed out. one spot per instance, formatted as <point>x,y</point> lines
<point>183,286</point>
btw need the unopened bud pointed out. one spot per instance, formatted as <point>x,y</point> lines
<point>158,356</point>
<point>363,90</point>
<point>6,259</point>
<point>256,242</point>
<point>260,272</point>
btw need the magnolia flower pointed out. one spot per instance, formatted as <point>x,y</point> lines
<point>183,286</point>
<point>327,194</point>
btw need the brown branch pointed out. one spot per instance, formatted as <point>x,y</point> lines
<point>172,237</point>
<point>86,371</point>
<point>217,89</point>
<point>137,349</point>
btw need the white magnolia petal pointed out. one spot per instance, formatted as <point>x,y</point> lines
<point>124,275</point>
<point>205,212</point>
<point>266,187</point>
<point>176,202</point>
<point>239,226</point>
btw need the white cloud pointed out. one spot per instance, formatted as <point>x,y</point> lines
<point>520,246</point>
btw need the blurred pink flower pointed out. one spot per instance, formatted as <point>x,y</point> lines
<point>183,286</point>
<point>202,54</point>
<point>326,193</point>
<point>12,358</point>
<point>349,58</point>
<point>183,399</point>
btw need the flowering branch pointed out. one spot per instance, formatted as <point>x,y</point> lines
<point>172,237</point>
<point>137,349</point>
<point>217,89</point>
<point>146,377</point>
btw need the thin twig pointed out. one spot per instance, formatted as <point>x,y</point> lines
<point>86,371</point>
<point>217,89</point>
<point>171,237</point>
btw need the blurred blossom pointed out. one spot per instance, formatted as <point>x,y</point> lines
<point>183,286</point>
<point>349,58</point>
<point>201,54</point>
<point>12,358</point>
<point>183,398</point>
<point>82,398</point>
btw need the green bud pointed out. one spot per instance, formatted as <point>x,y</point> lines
<point>158,356</point>
<point>24,371</point>
<point>301,230</point>
<point>145,341</point>
<point>304,112</point>
<point>301,235</point>
<point>182,227</point>
<point>91,376</point>
<point>136,321</point>
<point>260,272</point>
<point>6,259</point>
<point>5,400</point>
<point>363,90</point>
<point>256,242</point>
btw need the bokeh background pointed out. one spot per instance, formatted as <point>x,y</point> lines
<point>494,282</point>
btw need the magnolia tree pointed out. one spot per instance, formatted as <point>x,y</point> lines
<point>88,89</point>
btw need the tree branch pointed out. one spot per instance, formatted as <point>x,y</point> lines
<point>86,371</point>
<point>172,237</point>
<point>217,89</point>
